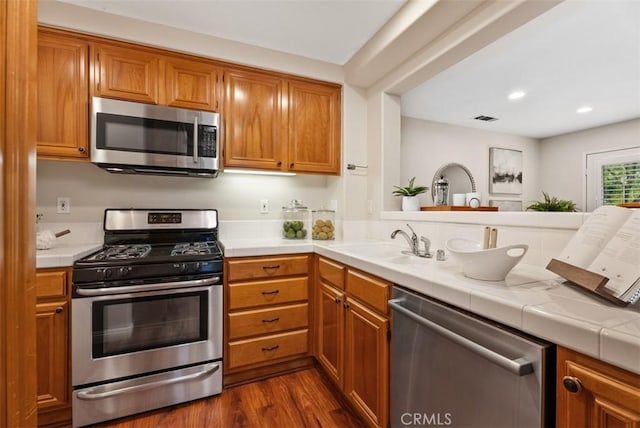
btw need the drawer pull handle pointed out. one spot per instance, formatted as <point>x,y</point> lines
<point>272,319</point>
<point>271,267</point>
<point>271,348</point>
<point>264,293</point>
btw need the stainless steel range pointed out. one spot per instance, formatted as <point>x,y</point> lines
<point>147,314</point>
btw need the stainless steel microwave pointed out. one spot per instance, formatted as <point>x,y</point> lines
<point>136,138</point>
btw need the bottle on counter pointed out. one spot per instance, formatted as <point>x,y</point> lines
<point>323,224</point>
<point>296,220</point>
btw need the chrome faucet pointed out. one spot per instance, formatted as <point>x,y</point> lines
<point>412,241</point>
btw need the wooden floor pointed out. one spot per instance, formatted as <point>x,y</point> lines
<point>300,399</point>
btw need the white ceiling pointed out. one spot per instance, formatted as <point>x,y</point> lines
<point>327,30</point>
<point>581,52</point>
<point>578,53</point>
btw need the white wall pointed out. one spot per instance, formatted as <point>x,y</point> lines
<point>428,145</point>
<point>562,157</point>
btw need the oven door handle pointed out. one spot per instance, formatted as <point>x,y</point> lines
<point>105,291</point>
<point>89,395</point>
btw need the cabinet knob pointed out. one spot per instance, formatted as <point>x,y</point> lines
<point>346,305</point>
<point>338,300</point>
<point>81,149</point>
<point>291,165</point>
<point>279,163</point>
<point>572,384</point>
<point>59,310</point>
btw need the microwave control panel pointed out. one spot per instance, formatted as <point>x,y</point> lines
<point>207,141</point>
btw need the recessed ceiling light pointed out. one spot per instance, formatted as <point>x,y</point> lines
<point>585,109</point>
<point>516,95</point>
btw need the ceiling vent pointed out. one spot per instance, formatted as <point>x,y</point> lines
<point>486,118</point>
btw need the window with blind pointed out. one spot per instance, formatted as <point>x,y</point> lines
<point>620,183</point>
<point>613,177</point>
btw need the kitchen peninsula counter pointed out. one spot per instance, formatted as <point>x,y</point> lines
<point>530,299</point>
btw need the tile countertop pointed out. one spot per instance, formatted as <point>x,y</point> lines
<point>530,298</point>
<point>64,255</point>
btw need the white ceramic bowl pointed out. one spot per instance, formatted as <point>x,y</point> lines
<point>488,265</point>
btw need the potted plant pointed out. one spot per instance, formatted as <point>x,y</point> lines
<point>409,195</point>
<point>551,203</point>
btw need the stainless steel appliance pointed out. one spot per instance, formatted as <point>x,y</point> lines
<point>137,138</point>
<point>147,314</point>
<point>455,369</point>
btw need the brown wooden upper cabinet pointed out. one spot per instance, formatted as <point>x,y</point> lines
<point>126,73</point>
<point>63,96</point>
<point>190,84</point>
<point>274,122</point>
<point>253,121</point>
<point>314,127</point>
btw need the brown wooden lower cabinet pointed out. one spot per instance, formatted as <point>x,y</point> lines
<point>352,337</point>
<point>592,393</point>
<point>266,316</point>
<point>53,345</point>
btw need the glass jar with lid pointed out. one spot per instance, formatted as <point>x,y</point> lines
<point>323,224</point>
<point>296,220</point>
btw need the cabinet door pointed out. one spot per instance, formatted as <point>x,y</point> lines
<point>129,74</point>
<point>63,96</point>
<point>191,84</point>
<point>330,331</point>
<point>314,127</point>
<point>593,394</point>
<point>52,325</point>
<point>366,364</point>
<point>255,135</point>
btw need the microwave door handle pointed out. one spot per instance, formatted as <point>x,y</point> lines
<point>195,139</point>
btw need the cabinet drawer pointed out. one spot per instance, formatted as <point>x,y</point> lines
<point>331,272</point>
<point>274,292</point>
<point>268,321</point>
<point>369,289</point>
<point>267,267</point>
<point>51,283</point>
<point>267,349</point>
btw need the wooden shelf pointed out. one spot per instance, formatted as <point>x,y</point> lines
<point>457,208</point>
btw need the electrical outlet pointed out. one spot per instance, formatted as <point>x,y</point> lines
<point>63,205</point>
<point>264,206</point>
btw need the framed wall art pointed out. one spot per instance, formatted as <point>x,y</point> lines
<point>505,171</point>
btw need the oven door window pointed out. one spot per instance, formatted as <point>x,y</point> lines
<point>137,324</point>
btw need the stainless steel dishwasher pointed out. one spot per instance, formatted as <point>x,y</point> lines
<point>451,368</point>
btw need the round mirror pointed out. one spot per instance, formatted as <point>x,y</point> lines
<point>459,177</point>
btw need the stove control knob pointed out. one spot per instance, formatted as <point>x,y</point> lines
<point>124,271</point>
<point>107,273</point>
<point>195,267</point>
<point>182,267</point>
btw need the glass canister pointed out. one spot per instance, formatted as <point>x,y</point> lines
<point>323,224</point>
<point>296,220</point>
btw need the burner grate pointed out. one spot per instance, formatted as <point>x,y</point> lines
<point>123,252</point>
<point>193,248</point>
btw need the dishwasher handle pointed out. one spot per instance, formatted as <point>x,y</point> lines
<point>519,366</point>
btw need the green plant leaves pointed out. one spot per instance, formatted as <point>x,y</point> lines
<point>551,203</point>
<point>409,190</point>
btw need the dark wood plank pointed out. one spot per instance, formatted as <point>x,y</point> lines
<point>300,399</point>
